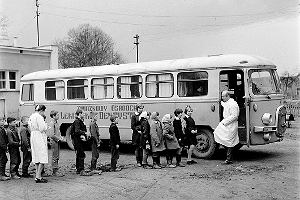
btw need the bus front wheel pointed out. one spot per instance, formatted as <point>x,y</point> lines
<point>206,145</point>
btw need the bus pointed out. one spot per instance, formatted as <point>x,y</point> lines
<point>164,86</point>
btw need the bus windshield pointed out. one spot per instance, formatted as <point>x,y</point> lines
<point>264,81</point>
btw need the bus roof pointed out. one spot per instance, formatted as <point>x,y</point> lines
<point>217,61</point>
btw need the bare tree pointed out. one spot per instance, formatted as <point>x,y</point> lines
<point>87,46</point>
<point>288,81</point>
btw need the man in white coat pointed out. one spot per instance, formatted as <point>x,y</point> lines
<point>226,132</point>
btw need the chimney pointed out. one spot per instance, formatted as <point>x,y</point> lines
<point>15,41</point>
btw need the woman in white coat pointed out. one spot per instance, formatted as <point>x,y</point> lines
<point>38,141</point>
<point>226,132</point>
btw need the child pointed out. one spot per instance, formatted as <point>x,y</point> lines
<point>13,147</point>
<point>3,150</point>
<point>25,147</point>
<point>145,138</point>
<point>178,129</point>
<point>114,142</point>
<point>94,130</point>
<point>55,137</point>
<point>190,132</point>
<point>170,139</point>
<point>157,139</point>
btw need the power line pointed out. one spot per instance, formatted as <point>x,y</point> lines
<point>105,21</point>
<point>170,16</point>
<point>183,32</point>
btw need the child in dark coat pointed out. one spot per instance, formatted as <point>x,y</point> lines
<point>114,143</point>
<point>190,133</point>
<point>3,150</point>
<point>145,138</point>
<point>25,147</point>
<point>136,134</point>
<point>13,147</point>
<point>179,133</point>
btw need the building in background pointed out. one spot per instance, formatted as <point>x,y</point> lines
<point>16,62</point>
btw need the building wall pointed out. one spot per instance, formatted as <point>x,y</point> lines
<point>22,61</point>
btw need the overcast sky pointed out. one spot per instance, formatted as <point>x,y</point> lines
<point>169,29</point>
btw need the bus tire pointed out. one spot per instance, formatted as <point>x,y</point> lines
<point>206,145</point>
<point>69,139</point>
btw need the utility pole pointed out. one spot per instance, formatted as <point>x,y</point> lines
<point>137,46</point>
<point>37,21</point>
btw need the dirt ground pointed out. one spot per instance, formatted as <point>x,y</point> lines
<point>261,172</point>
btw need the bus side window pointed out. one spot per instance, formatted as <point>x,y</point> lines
<point>77,89</point>
<point>129,87</point>
<point>192,84</point>
<point>102,88</point>
<point>159,85</point>
<point>27,92</point>
<point>54,90</point>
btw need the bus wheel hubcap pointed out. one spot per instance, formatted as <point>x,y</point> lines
<point>202,142</point>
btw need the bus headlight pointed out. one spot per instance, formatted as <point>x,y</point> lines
<point>266,119</point>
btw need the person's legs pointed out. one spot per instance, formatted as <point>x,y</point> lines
<point>229,154</point>
<point>55,158</point>
<point>14,162</point>
<point>3,161</point>
<point>178,157</point>
<point>26,162</point>
<point>190,152</point>
<point>95,156</point>
<point>139,155</point>
<point>114,158</point>
<point>80,155</point>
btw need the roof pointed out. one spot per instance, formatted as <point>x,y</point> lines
<point>220,61</point>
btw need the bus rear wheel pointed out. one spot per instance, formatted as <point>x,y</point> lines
<point>206,145</point>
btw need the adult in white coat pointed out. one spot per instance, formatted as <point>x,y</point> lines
<point>226,133</point>
<point>38,140</point>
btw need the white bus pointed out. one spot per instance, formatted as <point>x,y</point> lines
<point>164,86</point>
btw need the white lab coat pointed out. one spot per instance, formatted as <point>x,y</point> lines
<point>226,133</point>
<point>38,138</point>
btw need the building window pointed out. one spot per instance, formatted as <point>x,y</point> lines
<point>77,89</point>
<point>8,80</point>
<point>129,87</point>
<point>2,80</point>
<point>12,80</point>
<point>192,84</point>
<point>103,88</point>
<point>27,92</point>
<point>54,90</point>
<point>159,85</point>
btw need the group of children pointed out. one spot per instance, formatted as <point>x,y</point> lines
<point>150,137</point>
<point>11,142</point>
<point>171,134</point>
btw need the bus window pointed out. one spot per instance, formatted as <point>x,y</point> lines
<point>54,90</point>
<point>159,85</point>
<point>262,82</point>
<point>192,84</point>
<point>129,87</point>
<point>102,88</point>
<point>77,89</point>
<point>27,92</point>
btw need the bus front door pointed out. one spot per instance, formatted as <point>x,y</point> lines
<point>233,81</point>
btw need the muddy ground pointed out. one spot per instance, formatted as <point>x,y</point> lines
<point>261,172</point>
